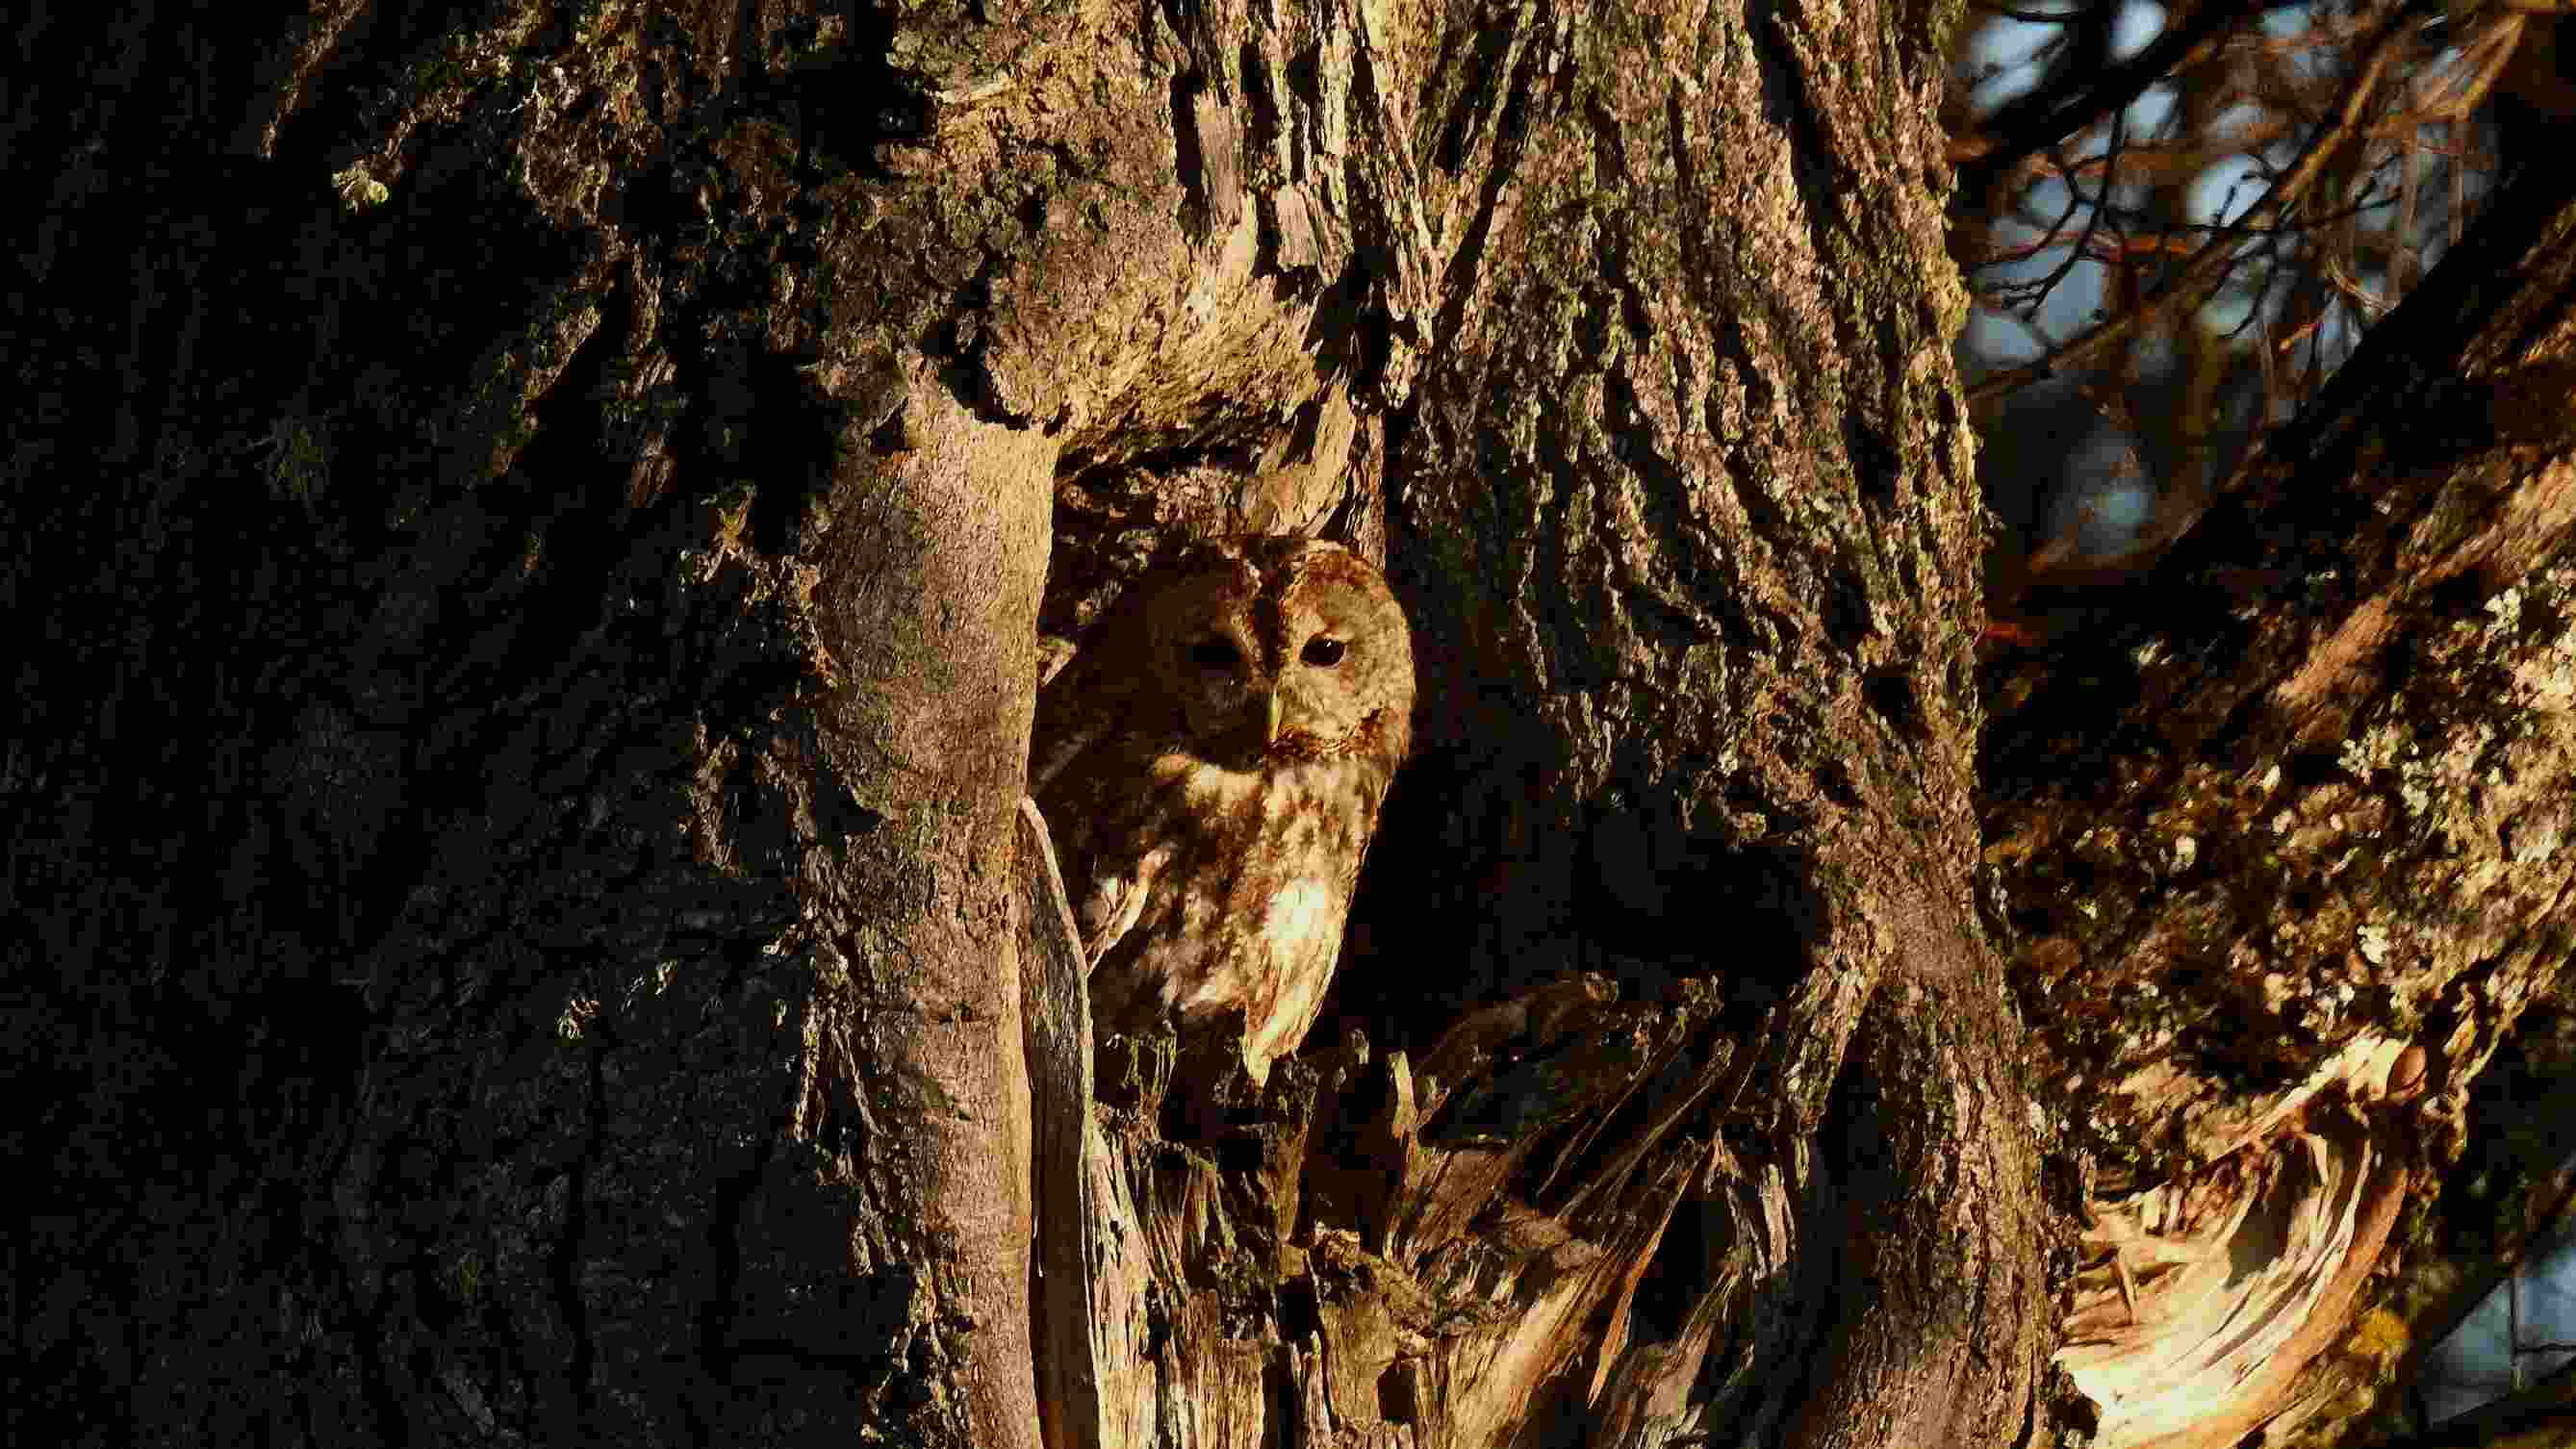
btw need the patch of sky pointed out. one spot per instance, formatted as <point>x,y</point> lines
<point>2225,191</point>
<point>2008,59</point>
<point>2152,109</point>
<point>2472,1365</point>
<point>2105,505</point>
<point>2011,53</point>
<point>2138,26</point>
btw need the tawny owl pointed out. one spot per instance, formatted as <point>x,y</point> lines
<point>1211,766</point>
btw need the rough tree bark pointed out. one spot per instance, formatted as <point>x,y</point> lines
<point>535,535</point>
<point>2285,831</point>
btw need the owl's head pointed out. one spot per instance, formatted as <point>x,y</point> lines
<point>1281,648</point>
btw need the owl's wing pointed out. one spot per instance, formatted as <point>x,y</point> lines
<point>1052,749</point>
<point>1113,901</point>
<point>1096,913</point>
<point>1076,710</point>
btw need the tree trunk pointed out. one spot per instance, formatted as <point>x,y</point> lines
<point>527,926</point>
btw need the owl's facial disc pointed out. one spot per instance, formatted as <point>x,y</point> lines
<point>1232,702</point>
<point>1245,713</point>
<point>1285,654</point>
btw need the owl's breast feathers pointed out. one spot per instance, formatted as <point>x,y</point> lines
<point>1203,890</point>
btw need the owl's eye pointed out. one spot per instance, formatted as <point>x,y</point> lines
<point>1215,652</point>
<point>1323,651</point>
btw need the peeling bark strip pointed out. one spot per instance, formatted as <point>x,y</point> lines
<point>2310,867</point>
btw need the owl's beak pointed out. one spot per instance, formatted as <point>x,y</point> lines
<point>1271,713</point>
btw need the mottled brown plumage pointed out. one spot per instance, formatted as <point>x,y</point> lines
<point>1211,767</point>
